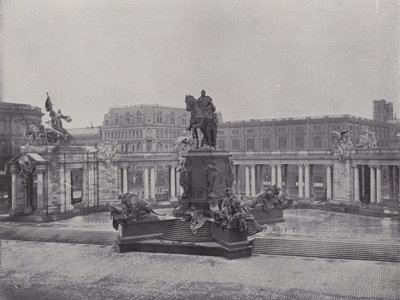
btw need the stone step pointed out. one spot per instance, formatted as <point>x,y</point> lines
<point>180,232</point>
<point>327,249</point>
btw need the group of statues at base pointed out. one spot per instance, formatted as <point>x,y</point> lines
<point>131,208</point>
<point>55,134</point>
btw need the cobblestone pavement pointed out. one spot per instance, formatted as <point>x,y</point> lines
<point>299,223</point>
<point>32,270</point>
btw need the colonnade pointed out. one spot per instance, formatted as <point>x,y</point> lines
<point>150,181</point>
<point>368,182</point>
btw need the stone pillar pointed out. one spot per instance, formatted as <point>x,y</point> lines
<point>253,180</point>
<point>301,193</point>
<point>146,182</point>
<point>14,189</point>
<point>279,176</point>
<point>378,184</point>
<point>178,186</point>
<point>307,181</point>
<point>124,180</point>
<point>40,209</point>
<point>393,184</point>
<point>328,182</point>
<point>261,178</point>
<point>62,189</point>
<point>172,182</point>
<point>356,184</point>
<point>237,179</point>
<point>372,184</point>
<point>152,184</point>
<point>363,182</point>
<point>247,180</point>
<point>273,174</point>
<point>68,189</point>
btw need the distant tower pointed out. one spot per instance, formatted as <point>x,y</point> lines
<point>383,111</point>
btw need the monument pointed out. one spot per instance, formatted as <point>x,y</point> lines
<point>210,218</point>
<point>52,178</point>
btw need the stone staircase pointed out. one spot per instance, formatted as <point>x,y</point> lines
<point>359,250</point>
<point>180,232</point>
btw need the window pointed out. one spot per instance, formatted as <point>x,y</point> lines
<point>106,122</point>
<point>149,134</point>
<point>317,128</point>
<point>250,131</point>
<point>282,143</point>
<point>281,129</point>
<point>266,130</point>
<point>250,144</point>
<point>221,144</point>
<point>299,129</point>
<point>221,132</point>
<point>266,143</point>
<point>235,131</point>
<point>128,120</point>
<point>299,142</point>
<point>116,121</point>
<point>317,142</point>
<point>235,144</point>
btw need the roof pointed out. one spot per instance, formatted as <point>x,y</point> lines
<point>84,131</point>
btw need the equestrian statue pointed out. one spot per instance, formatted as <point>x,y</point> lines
<point>203,117</point>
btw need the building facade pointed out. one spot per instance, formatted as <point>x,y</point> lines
<point>145,128</point>
<point>14,118</point>
<point>382,110</point>
<point>309,133</point>
<point>88,136</point>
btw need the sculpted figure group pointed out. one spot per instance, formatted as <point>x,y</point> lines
<point>56,133</point>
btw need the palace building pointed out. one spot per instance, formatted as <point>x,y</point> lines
<point>145,128</point>
<point>14,118</point>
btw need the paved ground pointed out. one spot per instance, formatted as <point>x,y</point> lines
<point>299,223</point>
<point>33,270</point>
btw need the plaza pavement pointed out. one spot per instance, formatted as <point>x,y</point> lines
<point>37,270</point>
<point>74,259</point>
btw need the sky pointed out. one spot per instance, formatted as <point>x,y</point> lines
<point>257,59</point>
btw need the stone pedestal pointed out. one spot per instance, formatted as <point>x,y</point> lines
<point>148,229</point>
<point>210,175</point>
<point>235,243</point>
<point>342,182</point>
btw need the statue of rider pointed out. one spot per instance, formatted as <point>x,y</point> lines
<point>207,109</point>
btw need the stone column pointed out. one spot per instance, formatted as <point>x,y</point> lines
<point>372,184</point>
<point>253,180</point>
<point>261,178</point>
<point>14,189</point>
<point>62,190</point>
<point>307,181</point>
<point>393,184</point>
<point>328,182</point>
<point>178,186</point>
<point>363,182</point>
<point>172,182</point>
<point>273,174</point>
<point>124,180</point>
<point>356,184</point>
<point>146,182</point>
<point>247,180</point>
<point>68,189</point>
<point>301,193</point>
<point>152,184</point>
<point>378,184</point>
<point>40,209</point>
<point>279,175</point>
<point>237,179</point>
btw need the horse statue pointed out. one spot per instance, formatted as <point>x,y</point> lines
<point>201,120</point>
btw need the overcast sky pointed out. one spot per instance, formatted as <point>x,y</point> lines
<point>256,59</point>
